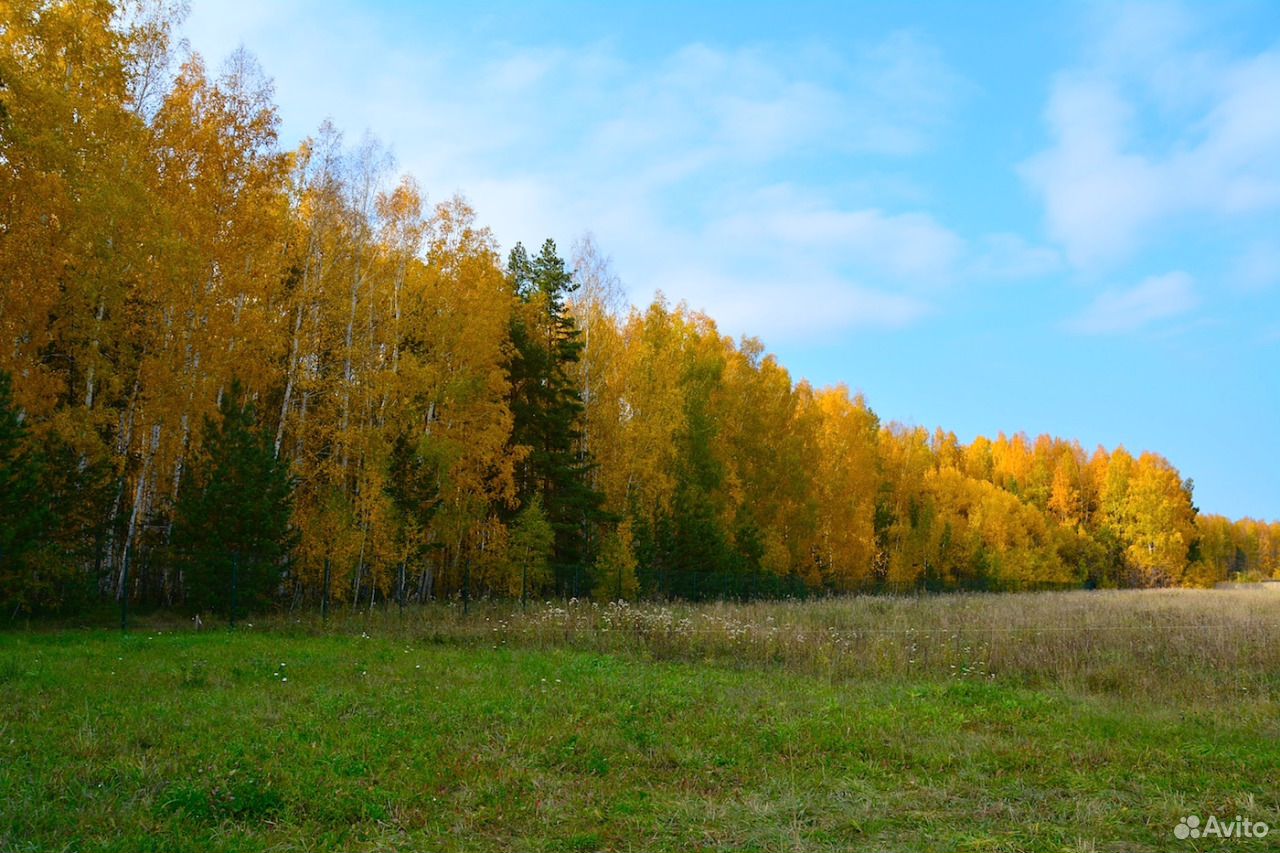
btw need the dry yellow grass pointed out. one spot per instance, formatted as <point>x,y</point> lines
<point>1174,645</point>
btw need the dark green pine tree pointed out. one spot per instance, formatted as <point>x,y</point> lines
<point>548,409</point>
<point>232,531</point>
<point>24,515</point>
<point>53,512</point>
<point>76,486</point>
<point>414,488</point>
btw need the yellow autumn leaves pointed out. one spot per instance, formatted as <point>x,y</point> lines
<point>156,242</point>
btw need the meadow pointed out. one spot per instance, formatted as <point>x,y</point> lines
<point>1073,721</point>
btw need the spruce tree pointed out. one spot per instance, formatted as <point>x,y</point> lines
<point>232,526</point>
<point>53,511</point>
<point>548,410</point>
<point>414,488</point>
<point>24,514</point>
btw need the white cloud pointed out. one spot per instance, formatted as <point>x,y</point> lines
<point>522,72</point>
<point>1157,298</point>
<point>792,304</point>
<point>1097,196</point>
<point>1153,130</point>
<point>674,163</point>
<point>1005,257</point>
<point>909,248</point>
<point>1257,268</point>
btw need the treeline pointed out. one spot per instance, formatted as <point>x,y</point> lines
<point>220,358</point>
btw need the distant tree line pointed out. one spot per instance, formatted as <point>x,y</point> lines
<point>233,370</point>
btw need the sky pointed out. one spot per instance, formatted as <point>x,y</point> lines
<point>1019,217</point>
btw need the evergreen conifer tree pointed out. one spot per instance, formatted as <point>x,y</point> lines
<point>24,515</point>
<point>548,409</point>
<point>232,530</point>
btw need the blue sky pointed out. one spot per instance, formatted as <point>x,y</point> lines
<point>987,216</point>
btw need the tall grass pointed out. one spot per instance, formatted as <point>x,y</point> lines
<point>1187,646</point>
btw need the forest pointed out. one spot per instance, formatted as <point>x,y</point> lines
<point>237,376</point>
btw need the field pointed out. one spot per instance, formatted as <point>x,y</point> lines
<point>1050,721</point>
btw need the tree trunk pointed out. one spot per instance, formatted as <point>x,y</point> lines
<point>139,492</point>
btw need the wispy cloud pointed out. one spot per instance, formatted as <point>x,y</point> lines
<point>1257,267</point>
<point>703,170</point>
<point>800,304</point>
<point>1118,311</point>
<point>1153,129</point>
<point>1009,257</point>
<point>909,248</point>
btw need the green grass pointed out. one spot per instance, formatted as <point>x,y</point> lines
<point>197,742</point>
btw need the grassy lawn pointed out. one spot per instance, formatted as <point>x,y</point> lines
<point>255,740</point>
